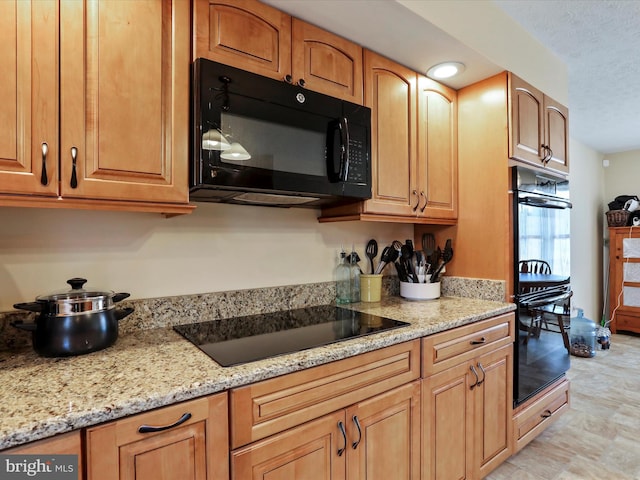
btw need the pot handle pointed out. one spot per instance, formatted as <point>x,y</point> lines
<point>29,327</point>
<point>125,312</point>
<point>30,306</point>
<point>118,297</point>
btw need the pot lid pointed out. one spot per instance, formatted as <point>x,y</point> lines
<point>77,291</point>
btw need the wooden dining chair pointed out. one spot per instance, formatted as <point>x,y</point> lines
<point>553,317</point>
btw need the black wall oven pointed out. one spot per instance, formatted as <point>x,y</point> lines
<point>262,141</point>
<point>542,280</point>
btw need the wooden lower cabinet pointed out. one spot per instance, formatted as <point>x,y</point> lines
<point>64,444</point>
<point>378,438</point>
<point>467,418</point>
<point>188,448</point>
<point>467,406</point>
<point>533,417</point>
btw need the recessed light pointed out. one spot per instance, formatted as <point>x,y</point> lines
<point>445,70</point>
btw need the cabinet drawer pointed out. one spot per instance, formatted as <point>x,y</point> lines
<point>446,349</point>
<point>537,416</point>
<point>274,405</point>
<point>626,322</point>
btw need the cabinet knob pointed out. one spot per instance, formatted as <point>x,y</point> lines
<point>288,79</point>
<point>301,83</point>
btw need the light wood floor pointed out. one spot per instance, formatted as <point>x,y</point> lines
<point>599,437</point>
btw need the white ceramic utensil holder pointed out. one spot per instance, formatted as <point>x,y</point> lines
<point>420,291</point>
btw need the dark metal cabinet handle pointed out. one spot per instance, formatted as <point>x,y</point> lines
<point>425,201</point>
<point>288,79</point>
<point>357,442</point>
<point>475,373</point>
<point>43,176</point>
<point>546,414</point>
<point>482,341</point>
<point>74,177</point>
<point>344,435</point>
<point>544,152</point>
<point>415,192</point>
<point>302,83</point>
<point>550,156</point>
<point>151,429</point>
<point>484,374</point>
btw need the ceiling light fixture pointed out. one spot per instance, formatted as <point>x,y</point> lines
<point>445,70</point>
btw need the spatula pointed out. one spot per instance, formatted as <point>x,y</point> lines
<point>371,251</point>
<point>447,255</point>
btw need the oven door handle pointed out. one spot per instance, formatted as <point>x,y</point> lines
<point>547,300</point>
<point>558,204</point>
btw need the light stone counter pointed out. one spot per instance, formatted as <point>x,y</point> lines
<point>150,368</point>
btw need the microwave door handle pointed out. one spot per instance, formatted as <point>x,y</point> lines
<point>344,149</point>
<point>341,174</point>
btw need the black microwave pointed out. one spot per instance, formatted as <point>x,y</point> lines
<point>260,141</point>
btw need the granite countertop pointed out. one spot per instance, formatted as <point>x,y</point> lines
<point>145,369</point>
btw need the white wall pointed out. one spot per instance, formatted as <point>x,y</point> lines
<point>622,176</point>
<point>216,248</point>
<point>486,28</point>
<point>587,193</point>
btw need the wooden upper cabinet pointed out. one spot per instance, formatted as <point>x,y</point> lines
<point>527,116</point>
<point>556,119</point>
<point>124,90</point>
<point>326,63</point>
<point>539,127</point>
<point>189,448</point>
<point>29,97</point>
<point>437,150</point>
<point>253,36</point>
<point>245,34</point>
<point>391,93</point>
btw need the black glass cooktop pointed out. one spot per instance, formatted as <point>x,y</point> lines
<point>254,337</point>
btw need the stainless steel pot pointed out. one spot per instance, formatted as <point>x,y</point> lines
<point>75,321</point>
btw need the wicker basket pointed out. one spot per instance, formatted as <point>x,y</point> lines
<point>617,218</point>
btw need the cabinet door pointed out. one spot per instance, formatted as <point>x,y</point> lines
<point>326,63</point>
<point>384,436</point>
<point>526,122</point>
<point>492,429</point>
<point>196,449</point>
<point>437,150</point>
<point>624,274</point>
<point>29,97</point>
<point>64,444</point>
<point>124,90</point>
<point>390,92</point>
<point>556,119</point>
<point>312,451</point>
<point>446,424</point>
<point>245,34</point>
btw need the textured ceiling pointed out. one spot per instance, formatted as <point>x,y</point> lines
<point>599,40</point>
